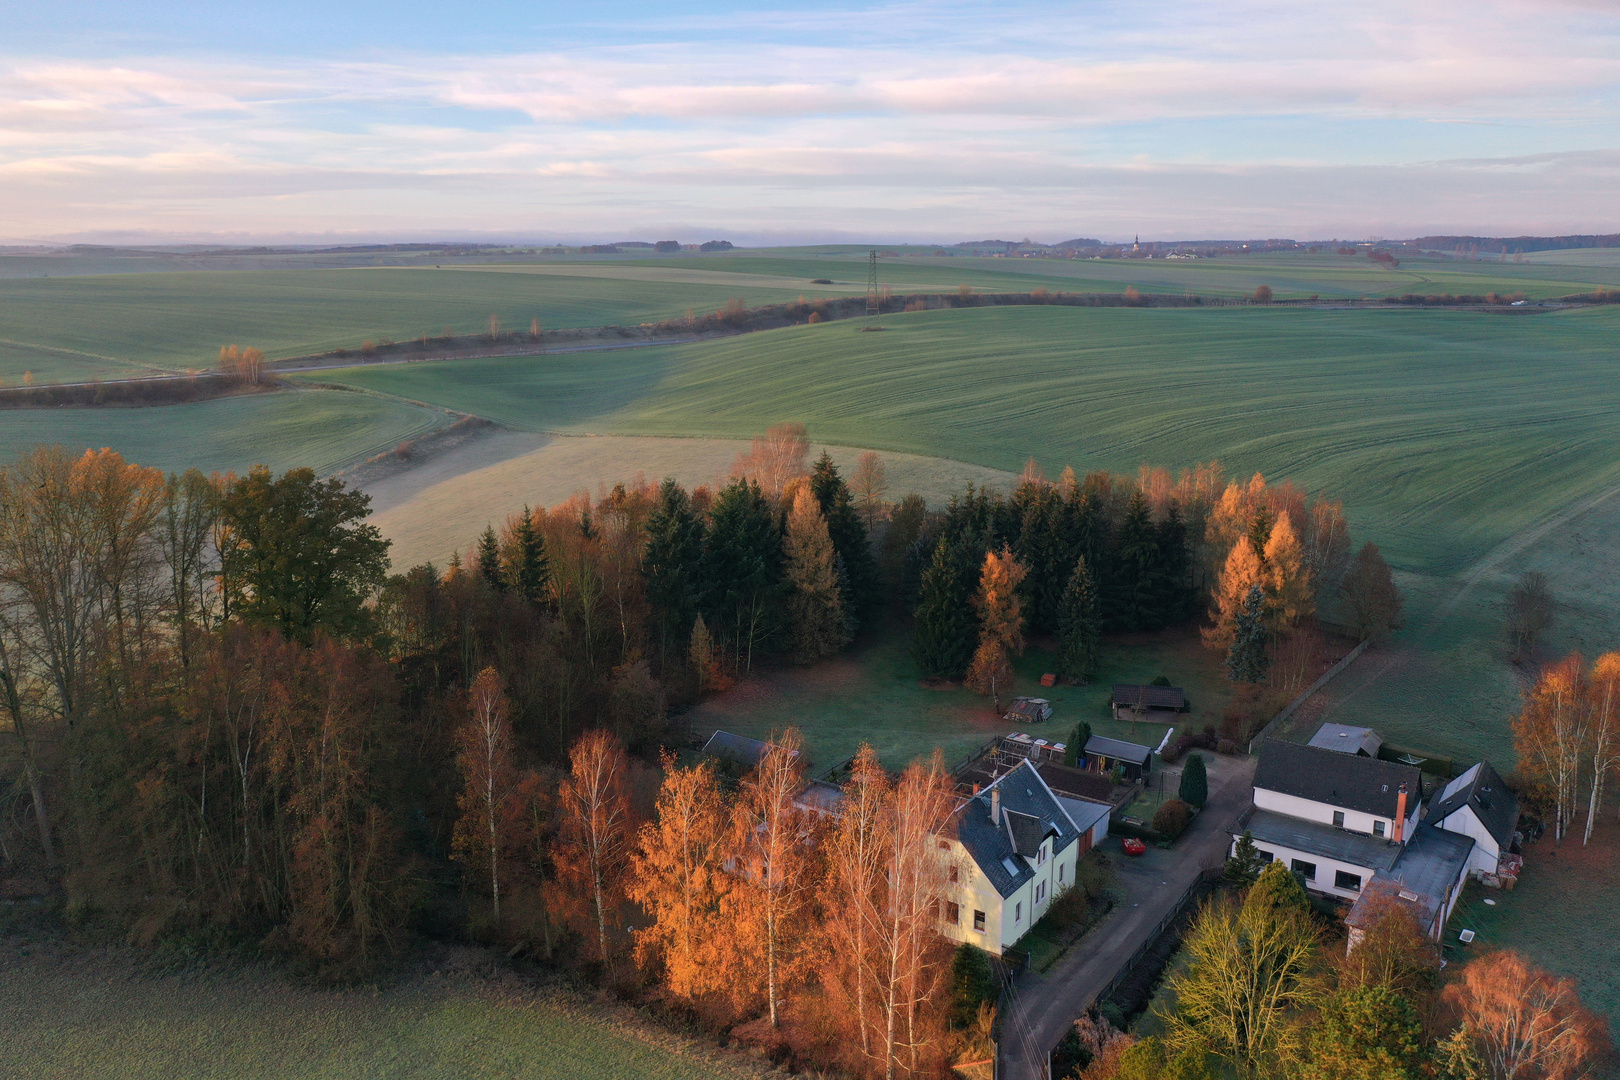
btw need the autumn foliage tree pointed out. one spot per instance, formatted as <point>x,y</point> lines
<point>817,624</point>
<point>774,458</point>
<point>594,841</point>
<point>484,757</point>
<point>1001,625</point>
<point>1524,1023</point>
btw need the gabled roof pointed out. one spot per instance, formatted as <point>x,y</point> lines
<point>1347,739</point>
<point>1150,697</point>
<point>1346,780</point>
<point>1084,812</point>
<point>1076,783</point>
<point>1481,790</point>
<point>1118,749</point>
<point>1030,813</point>
<point>738,748</point>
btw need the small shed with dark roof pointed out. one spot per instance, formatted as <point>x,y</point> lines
<point>737,748</point>
<point>1103,754</point>
<point>1135,700</point>
<point>1347,739</point>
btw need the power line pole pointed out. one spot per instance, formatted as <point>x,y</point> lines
<point>873,300</point>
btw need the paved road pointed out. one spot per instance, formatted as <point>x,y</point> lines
<point>1043,1006</point>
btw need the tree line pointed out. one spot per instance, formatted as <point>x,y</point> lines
<point>1567,739</point>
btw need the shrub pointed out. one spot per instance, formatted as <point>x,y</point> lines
<point>973,982</point>
<point>1172,818</point>
<point>815,317</point>
<point>1194,782</point>
<point>1071,908</point>
<point>1262,294</point>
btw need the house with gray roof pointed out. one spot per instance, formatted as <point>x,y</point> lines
<point>1343,821</point>
<point>1478,804</point>
<point>1348,740</point>
<point>1012,848</point>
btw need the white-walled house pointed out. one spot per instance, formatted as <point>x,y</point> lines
<point>1343,821</point>
<point>1479,805</point>
<point>1012,849</point>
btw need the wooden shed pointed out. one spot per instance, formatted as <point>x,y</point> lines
<point>1133,702</point>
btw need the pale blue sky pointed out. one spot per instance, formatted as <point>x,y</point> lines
<point>939,121</point>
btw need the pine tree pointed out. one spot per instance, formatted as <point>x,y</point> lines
<point>672,562</point>
<point>849,536</point>
<point>1243,868</point>
<point>1079,625</point>
<point>1074,754</point>
<point>1175,567</point>
<point>1194,787</point>
<point>489,560</point>
<point>816,625</point>
<point>946,630</point>
<point>1247,658</point>
<point>1137,570</point>
<point>531,577</point>
<point>742,560</point>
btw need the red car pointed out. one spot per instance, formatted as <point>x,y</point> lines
<point>1133,846</point>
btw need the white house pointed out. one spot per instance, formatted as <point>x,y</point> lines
<point>1479,805</point>
<point>1013,848</point>
<point>1343,820</point>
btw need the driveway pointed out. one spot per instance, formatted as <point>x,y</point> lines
<point>1041,1007</point>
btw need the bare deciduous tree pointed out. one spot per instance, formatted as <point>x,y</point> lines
<point>870,484</point>
<point>1530,608</point>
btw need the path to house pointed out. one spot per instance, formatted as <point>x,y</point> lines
<point>1042,1006</point>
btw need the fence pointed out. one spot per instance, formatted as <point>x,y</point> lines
<point>1293,706</point>
<point>1204,878</point>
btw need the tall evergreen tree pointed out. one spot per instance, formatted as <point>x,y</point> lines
<point>489,559</point>
<point>1175,567</point>
<point>531,567</point>
<point>947,632</point>
<point>1079,625</point>
<point>848,534</point>
<point>672,563</point>
<point>1041,547</point>
<point>742,560</point>
<point>1074,753</point>
<point>1137,570</point>
<point>1194,787</point>
<point>816,625</point>
<point>1247,658</point>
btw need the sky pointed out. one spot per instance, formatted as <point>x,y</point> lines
<point>309,122</point>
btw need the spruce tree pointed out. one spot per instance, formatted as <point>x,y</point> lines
<point>1243,868</point>
<point>1194,781</point>
<point>489,559</point>
<point>1040,548</point>
<point>1175,567</point>
<point>1247,659</point>
<point>1079,625</point>
<point>742,560</point>
<point>672,563</point>
<point>1074,754</point>
<point>531,572</point>
<point>848,534</point>
<point>816,625</point>
<point>1137,569</point>
<point>947,631</point>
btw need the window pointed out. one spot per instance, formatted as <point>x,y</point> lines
<point>1342,880</point>
<point>1378,828</point>
<point>1338,819</point>
<point>1306,870</point>
<point>1040,856</point>
<point>1060,871</point>
<point>953,913</point>
<point>978,921</point>
<point>944,845</point>
<point>952,874</point>
<point>1265,856</point>
<point>1040,891</point>
<point>1018,912</point>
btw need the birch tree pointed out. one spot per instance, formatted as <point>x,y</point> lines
<point>484,758</point>
<point>594,842</point>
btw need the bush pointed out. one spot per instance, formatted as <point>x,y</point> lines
<point>1172,818</point>
<point>1071,908</point>
<point>973,982</point>
<point>1194,782</point>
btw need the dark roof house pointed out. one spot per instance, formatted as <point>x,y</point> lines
<point>1328,776</point>
<point>1130,695</point>
<point>1028,814</point>
<point>1481,790</point>
<point>738,748</point>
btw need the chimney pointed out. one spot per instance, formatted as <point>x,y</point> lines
<point>1400,814</point>
<point>995,806</point>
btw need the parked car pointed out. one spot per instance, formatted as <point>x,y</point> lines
<point>1133,846</point>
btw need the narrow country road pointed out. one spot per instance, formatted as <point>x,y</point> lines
<point>1043,1006</point>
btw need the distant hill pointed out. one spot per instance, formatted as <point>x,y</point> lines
<point>1511,244</point>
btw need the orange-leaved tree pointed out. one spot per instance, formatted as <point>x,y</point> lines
<point>1243,570</point>
<point>1603,754</point>
<point>856,851</point>
<point>1001,624</point>
<point>677,875</point>
<point>772,853</point>
<point>484,757</point>
<point>594,839</point>
<point>1550,736</point>
<point>775,458</point>
<point>1524,1023</point>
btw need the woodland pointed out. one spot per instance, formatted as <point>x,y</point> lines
<point>228,722</point>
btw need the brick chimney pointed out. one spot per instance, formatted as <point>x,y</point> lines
<point>995,806</point>
<point>1400,814</point>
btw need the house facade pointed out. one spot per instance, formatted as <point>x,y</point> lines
<point>1012,849</point>
<point>1478,805</point>
<point>1343,821</point>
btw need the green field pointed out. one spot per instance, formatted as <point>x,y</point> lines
<point>69,326</point>
<point>89,1015</point>
<point>326,430</point>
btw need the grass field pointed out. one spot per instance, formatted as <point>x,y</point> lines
<point>91,1015</point>
<point>111,324</point>
<point>326,430</point>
